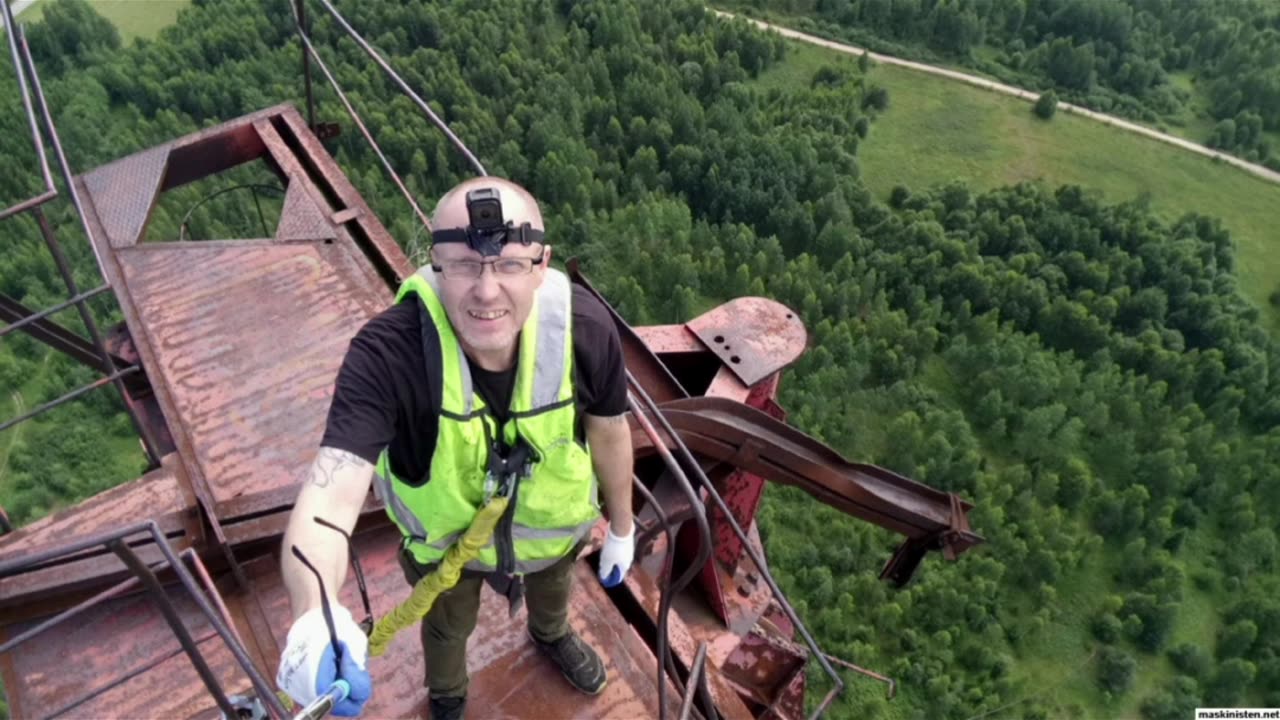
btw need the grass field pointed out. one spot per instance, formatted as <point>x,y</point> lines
<point>937,130</point>
<point>133,18</point>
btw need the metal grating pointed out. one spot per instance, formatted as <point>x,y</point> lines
<point>301,219</point>
<point>125,191</point>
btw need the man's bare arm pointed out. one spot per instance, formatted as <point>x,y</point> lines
<point>611,454</point>
<point>335,490</point>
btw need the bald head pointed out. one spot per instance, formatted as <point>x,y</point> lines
<point>518,205</point>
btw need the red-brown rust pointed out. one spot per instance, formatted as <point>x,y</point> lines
<point>665,339</point>
<point>248,337</point>
<point>688,625</point>
<point>721,429</point>
<point>754,337</point>
<point>109,642</point>
<point>155,495</point>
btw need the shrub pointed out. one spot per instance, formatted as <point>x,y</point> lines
<point>1047,105</point>
<point>1115,670</point>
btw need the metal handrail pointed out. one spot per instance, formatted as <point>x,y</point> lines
<point>18,325</point>
<point>146,576</point>
<point>755,556</point>
<point>25,69</point>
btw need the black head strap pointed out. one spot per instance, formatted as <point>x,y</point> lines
<point>489,243</point>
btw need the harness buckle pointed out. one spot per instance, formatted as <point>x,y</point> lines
<point>507,465</point>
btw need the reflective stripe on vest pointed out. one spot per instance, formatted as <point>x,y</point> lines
<point>409,524</point>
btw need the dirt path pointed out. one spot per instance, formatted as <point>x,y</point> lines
<point>1029,96</point>
<point>19,407</point>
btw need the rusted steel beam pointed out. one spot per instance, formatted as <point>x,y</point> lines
<point>19,316</point>
<point>40,328</point>
<point>726,431</point>
<point>363,226</point>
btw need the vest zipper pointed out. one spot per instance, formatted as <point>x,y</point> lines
<point>503,542</point>
<point>503,539</point>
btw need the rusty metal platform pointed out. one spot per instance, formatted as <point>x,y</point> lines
<point>242,338</point>
<point>158,495</point>
<point>508,677</point>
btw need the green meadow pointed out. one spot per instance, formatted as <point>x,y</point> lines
<point>133,18</point>
<point>937,130</point>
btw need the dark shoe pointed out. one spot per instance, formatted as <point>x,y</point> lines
<point>447,708</point>
<point>579,663</point>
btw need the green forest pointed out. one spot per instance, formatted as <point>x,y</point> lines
<point>1086,373</point>
<point>1208,70</point>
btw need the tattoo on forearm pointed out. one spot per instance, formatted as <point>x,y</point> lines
<point>329,461</point>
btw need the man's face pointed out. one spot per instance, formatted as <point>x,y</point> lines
<point>488,311</point>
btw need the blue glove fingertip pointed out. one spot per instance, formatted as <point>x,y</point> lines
<point>352,682</point>
<point>615,577</point>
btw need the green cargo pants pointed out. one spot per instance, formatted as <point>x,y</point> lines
<point>453,617</point>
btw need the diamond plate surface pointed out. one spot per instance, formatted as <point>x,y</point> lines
<point>301,219</point>
<point>124,192</point>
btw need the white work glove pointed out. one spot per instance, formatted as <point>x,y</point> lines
<point>307,666</point>
<point>616,557</point>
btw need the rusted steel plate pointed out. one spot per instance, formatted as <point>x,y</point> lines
<point>509,679</point>
<point>111,643</point>
<point>669,339</point>
<point>771,670</point>
<point>156,495</point>
<point>755,337</point>
<point>125,191</point>
<point>247,338</point>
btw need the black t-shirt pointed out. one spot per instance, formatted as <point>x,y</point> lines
<point>387,394</point>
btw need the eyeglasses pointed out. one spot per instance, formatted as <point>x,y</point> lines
<point>472,269</point>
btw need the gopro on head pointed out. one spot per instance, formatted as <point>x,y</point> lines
<point>487,229</point>
<point>484,209</point>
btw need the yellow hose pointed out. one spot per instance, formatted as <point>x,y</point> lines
<point>442,578</point>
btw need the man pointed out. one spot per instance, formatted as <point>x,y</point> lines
<point>489,366</point>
